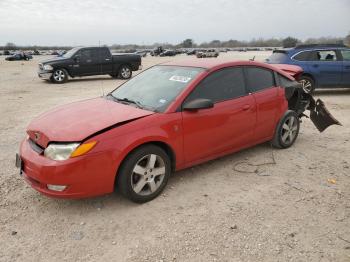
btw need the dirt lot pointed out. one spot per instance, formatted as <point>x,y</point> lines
<point>297,209</point>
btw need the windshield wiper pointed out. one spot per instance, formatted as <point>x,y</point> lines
<point>127,100</point>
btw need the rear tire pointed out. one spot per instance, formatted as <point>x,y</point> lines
<point>307,83</point>
<point>125,72</point>
<point>287,130</point>
<point>144,174</point>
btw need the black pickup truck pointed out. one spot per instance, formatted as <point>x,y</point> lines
<point>88,61</point>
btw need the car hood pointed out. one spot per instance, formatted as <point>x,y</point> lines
<point>76,121</point>
<point>54,59</point>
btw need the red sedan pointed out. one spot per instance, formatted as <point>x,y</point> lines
<point>169,117</point>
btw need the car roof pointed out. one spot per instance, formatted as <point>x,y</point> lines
<point>215,64</point>
<point>211,63</point>
<point>316,46</point>
<point>310,47</point>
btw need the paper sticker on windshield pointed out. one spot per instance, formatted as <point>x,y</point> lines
<point>162,101</point>
<point>182,79</point>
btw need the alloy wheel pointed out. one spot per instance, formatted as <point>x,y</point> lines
<point>148,174</point>
<point>125,72</point>
<point>306,85</point>
<point>289,130</point>
<point>59,75</point>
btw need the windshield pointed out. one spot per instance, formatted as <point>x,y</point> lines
<point>157,87</point>
<point>70,52</point>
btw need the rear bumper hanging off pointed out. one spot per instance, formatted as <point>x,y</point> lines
<point>320,115</point>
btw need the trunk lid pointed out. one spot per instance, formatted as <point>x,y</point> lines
<point>292,70</point>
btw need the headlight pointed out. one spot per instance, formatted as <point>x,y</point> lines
<point>64,151</point>
<point>48,67</point>
<point>60,151</point>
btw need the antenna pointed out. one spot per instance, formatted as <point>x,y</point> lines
<point>100,59</point>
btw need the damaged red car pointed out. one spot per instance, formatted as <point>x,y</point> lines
<point>170,117</point>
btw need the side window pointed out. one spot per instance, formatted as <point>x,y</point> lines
<point>104,53</point>
<point>345,54</point>
<point>302,56</point>
<point>95,53</point>
<point>86,54</point>
<point>221,85</point>
<point>259,78</point>
<point>324,55</point>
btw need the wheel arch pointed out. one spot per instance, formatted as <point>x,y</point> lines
<point>309,75</point>
<point>162,144</point>
<point>117,70</point>
<point>55,67</point>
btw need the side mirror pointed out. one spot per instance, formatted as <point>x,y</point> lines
<point>197,104</point>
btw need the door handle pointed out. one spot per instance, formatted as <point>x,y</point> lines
<point>347,67</point>
<point>107,59</point>
<point>315,66</point>
<point>245,107</point>
<point>88,60</point>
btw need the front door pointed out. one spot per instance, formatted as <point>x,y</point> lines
<point>228,125</point>
<point>87,62</point>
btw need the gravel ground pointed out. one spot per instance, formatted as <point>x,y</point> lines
<point>256,205</point>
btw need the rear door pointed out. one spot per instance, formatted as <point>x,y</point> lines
<point>228,125</point>
<point>345,80</point>
<point>327,67</point>
<point>261,83</point>
<point>106,61</point>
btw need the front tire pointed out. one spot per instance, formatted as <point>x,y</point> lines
<point>287,130</point>
<point>144,174</point>
<point>59,76</point>
<point>125,72</point>
<point>308,84</point>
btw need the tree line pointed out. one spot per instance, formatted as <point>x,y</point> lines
<point>190,43</point>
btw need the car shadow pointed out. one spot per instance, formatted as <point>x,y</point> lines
<point>192,175</point>
<point>87,79</point>
<point>243,156</point>
<point>333,92</point>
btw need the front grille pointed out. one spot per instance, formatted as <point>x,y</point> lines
<point>36,147</point>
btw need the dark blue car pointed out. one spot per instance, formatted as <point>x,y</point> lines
<point>325,66</point>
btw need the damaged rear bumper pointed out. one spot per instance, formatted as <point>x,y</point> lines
<point>320,115</point>
<point>299,101</point>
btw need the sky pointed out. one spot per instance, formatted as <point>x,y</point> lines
<point>90,22</point>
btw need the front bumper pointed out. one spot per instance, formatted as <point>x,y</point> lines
<point>46,75</point>
<point>84,176</point>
